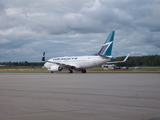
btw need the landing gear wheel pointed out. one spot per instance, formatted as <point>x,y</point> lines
<point>83,70</point>
<point>70,71</point>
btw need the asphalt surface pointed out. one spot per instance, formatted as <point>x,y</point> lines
<point>77,96</point>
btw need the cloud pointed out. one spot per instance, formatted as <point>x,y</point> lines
<point>69,27</point>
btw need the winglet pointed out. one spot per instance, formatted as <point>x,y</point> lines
<point>126,58</point>
<point>43,58</point>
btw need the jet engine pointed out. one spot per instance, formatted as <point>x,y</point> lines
<point>56,68</point>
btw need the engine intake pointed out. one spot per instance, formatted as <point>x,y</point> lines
<point>60,68</point>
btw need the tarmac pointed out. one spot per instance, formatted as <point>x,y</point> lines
<point>77,96</point>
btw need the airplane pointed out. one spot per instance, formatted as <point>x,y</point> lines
<point>81,63</point>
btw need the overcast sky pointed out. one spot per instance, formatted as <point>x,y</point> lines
<point>77,27</point>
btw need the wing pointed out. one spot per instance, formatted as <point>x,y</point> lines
<point>71,66</point>
<point>120,61</point>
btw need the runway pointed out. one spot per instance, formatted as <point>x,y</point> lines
<point>90,96</point>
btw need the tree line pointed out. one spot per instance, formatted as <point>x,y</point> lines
<point>150,60</point>
<point>22,63</point>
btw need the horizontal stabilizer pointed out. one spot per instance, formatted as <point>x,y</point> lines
<point>105,57</point>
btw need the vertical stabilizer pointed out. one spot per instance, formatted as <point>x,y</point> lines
<point>43,58</point>
<point>106,49</point>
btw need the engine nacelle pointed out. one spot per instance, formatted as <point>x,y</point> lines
<point>56,68</point>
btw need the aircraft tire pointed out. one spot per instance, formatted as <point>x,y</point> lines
<point>70,71</point>
<point>83,70</point>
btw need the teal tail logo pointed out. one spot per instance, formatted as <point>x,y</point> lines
<point>106,49</point>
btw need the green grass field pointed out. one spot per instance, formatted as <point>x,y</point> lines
<point>39,69</point>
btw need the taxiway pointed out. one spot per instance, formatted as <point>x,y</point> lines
<point>91,96</point>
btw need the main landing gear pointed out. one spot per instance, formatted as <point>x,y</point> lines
<point>70,71</point>
<point>83,70</point>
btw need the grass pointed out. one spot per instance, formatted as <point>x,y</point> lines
<point>39,69</point>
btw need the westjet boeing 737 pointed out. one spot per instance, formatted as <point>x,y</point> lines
<point>81,63</point>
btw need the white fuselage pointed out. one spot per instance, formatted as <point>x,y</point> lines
<point>80,62</point>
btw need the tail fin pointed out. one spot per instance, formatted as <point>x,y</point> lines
<point>43,58</point>
<point>106,49</point>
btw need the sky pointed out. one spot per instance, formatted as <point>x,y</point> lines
<point>77,27</point>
